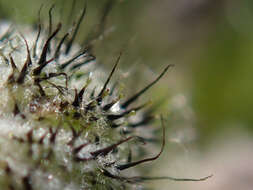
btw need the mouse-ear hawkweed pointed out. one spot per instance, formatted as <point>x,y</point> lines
<point>60,120</point>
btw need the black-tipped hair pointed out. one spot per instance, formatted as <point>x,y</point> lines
<point>132,164</point>
<point>43,55</point>
<point>70,42</point>
<point>108,80</point>
<point>38,34</point>
<point>138,94</point>
<point>28,62</point>
<point>95,34</point>
<point>42,61</point>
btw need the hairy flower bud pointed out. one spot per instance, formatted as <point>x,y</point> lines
<point>61,120</point>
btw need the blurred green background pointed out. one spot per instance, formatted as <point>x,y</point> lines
<point>209,91</point>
